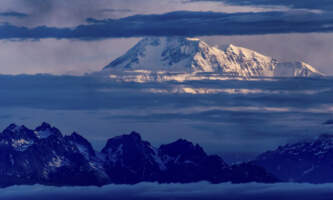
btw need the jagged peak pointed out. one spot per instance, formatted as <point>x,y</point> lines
<point>78,138</point>
<point>44,126</point>
<point>321,143</point>
<point>75,134</point>
<point>133,137</point>
<point>135,134</point>
<point>82,144</point>
<point>182,141</point>
<point>181,146</point>
<point>245,52</point>
<point>13,128</point>
<point>45,130</point>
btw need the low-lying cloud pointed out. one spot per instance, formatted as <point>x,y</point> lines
<point>195,191</point>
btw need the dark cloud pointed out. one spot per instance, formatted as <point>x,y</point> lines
<point>13,14</point>
<point>116,10</point>
<point>182,23</point>
<point>326,5</point>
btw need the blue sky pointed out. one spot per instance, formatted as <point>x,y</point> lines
<point>38,32</point>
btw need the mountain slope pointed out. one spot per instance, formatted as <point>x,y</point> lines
<point>309,161</point>
<point>45,156</point>
<point>155,57</point>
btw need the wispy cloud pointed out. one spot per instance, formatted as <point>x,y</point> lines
<point>116,10</point>
<point>13,14</point>
<point>326,5</point>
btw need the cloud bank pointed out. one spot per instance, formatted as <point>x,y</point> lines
<point>326,5</point>
<point>182,23</point>
<point>13,14</point>
<point>195,191</point>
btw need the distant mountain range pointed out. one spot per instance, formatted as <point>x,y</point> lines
<point>45,156</point>
<point>307,161</point>
<point>180,59</point>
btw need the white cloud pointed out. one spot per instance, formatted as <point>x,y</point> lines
<point>195,191</point>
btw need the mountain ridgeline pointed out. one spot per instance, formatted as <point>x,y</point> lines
<point>307,161</point>
<point>45,156</point>
<point>180,59</point>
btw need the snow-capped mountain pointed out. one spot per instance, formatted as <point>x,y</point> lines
<point>45,156</point>
<point>308,161</point>
<point>177,58</point>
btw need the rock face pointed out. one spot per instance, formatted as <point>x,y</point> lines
<point>154,58</point>
<point>129,160</point>
<point>45,156</point>
<point>309,161</point>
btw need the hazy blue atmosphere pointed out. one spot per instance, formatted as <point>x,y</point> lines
<point>246,118</point>
<point>53,56</point>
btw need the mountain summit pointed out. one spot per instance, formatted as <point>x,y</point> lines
<point>160,56</point>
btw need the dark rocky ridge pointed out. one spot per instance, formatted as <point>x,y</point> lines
<point>307,161</point>
<point>45,156</point>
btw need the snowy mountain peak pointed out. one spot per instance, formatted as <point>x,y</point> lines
<point>155,58</point>
<point>155,53</point>
<point>44,126</point>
